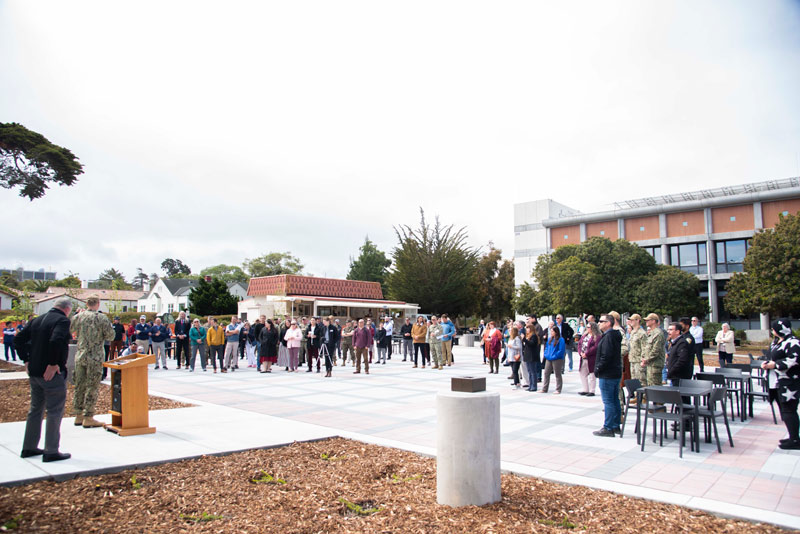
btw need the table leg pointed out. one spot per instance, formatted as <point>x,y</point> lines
<point>638,429</point>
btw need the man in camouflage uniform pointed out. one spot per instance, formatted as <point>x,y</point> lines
<point>654,354</point>
<point>347,343</point>
<point>92,329</point>
<point>636,347</point>
<point>434,339</point>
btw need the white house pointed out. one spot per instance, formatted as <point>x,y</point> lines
<point>168,295</point>
<point>6,300</point>
<point>238,290</point>
<point>171,295</point>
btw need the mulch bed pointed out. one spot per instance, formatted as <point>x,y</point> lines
<point>8,366</point>
<point>15,399</point>
<point>334,485</point>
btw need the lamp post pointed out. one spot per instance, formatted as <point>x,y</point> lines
<point>292,299</point>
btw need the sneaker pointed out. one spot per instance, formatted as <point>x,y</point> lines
<point>604,433</point>
<point>617,431</point>
<point>192,370</point>
<point>556,393</point>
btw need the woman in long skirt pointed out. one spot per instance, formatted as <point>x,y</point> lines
<point>283,352</point>
<point>268,352</point>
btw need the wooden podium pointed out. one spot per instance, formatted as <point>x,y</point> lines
<point>129,397</point>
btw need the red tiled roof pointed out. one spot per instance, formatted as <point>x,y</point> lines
<point>290,284</point>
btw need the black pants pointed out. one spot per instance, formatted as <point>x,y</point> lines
<point>423,347</point>
<point>182,347</point>
<point>698,352</point>
<point>313,354</point>
<point>789,416</point>
<point>515,371</point>
<point>725,358</point>
<point>329,352</point>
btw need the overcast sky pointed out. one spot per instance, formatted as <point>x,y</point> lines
<point>216,131</point>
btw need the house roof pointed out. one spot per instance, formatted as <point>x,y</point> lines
<point>291,284</point>
<point>174,284</point>
<point>83,294</point>
<point>183,291</point>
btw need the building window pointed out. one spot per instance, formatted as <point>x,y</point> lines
<point>689,257</point>
<point>124,309</point>
<point>602,232</point>
<point>181,307</point>
<point>641,228</point>
<point>785,213</point>
<point>730,255</point>
<point>170,308</point>
<point>733,218</point>
<point>685,223</point>
<point>655,252</point>
<point>152,307</point>
<point>566,236</point>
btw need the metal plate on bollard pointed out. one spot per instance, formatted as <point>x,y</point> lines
<point>468,384</point>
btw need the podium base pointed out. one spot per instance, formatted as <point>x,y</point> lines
<point>131,431</point>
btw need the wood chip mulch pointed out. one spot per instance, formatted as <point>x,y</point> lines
<point>10,367</point>
<point>334,485</point>
<point>15,399</point>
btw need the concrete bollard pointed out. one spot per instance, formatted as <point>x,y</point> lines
<point>467,448</point>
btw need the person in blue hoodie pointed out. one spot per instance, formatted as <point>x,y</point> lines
<point>448,331</point>
<point>554,352</point>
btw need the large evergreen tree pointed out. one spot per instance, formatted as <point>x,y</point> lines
<point>372,265</point>
<point>173,267</point>
<point>771,281</point>
<point>434,267</point>
<point>212,298</point>
<point>31,162</point>
<point>494,285</point>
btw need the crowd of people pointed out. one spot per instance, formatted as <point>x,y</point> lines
<point>289,343</point>
<point>610,353</point>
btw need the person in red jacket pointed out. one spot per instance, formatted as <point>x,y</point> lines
<point>492,343</point>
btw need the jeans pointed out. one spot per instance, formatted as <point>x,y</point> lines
<point>381,354</point>
<point>160,351</point>
<point>609,391</point>
<point>569,357</point>
<point>9,347</point>
<point>534,369</point>
<point>408,348</point>
<point>203,357</point>
<point>515,371</point>
<point>50,395</point>
<point>216,352</point>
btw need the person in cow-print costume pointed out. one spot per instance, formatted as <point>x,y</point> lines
<point>784,355</point>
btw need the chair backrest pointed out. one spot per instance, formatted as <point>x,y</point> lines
<point>632,384</point>
<point>717,395</point>
<point>700,384</point>
<point>750,355</point>
<point>660,396</point>
<point>716,379</point>
<point>741,366</point>
<point>729,371</point>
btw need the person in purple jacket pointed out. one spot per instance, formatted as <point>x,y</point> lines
<point>362,341</point>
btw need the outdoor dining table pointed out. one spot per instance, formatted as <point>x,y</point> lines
<point>744,385</point>
<point>695,391</point>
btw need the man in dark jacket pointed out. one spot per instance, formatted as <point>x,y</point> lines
<point>182,327</point>
<point>313,340</point>
<point>44,346</point>
<point>407,342</point>
<point>680,357</point>
<point>329,338</point>
<point>608,370</point>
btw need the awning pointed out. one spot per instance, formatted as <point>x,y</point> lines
<point>366,304</point>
